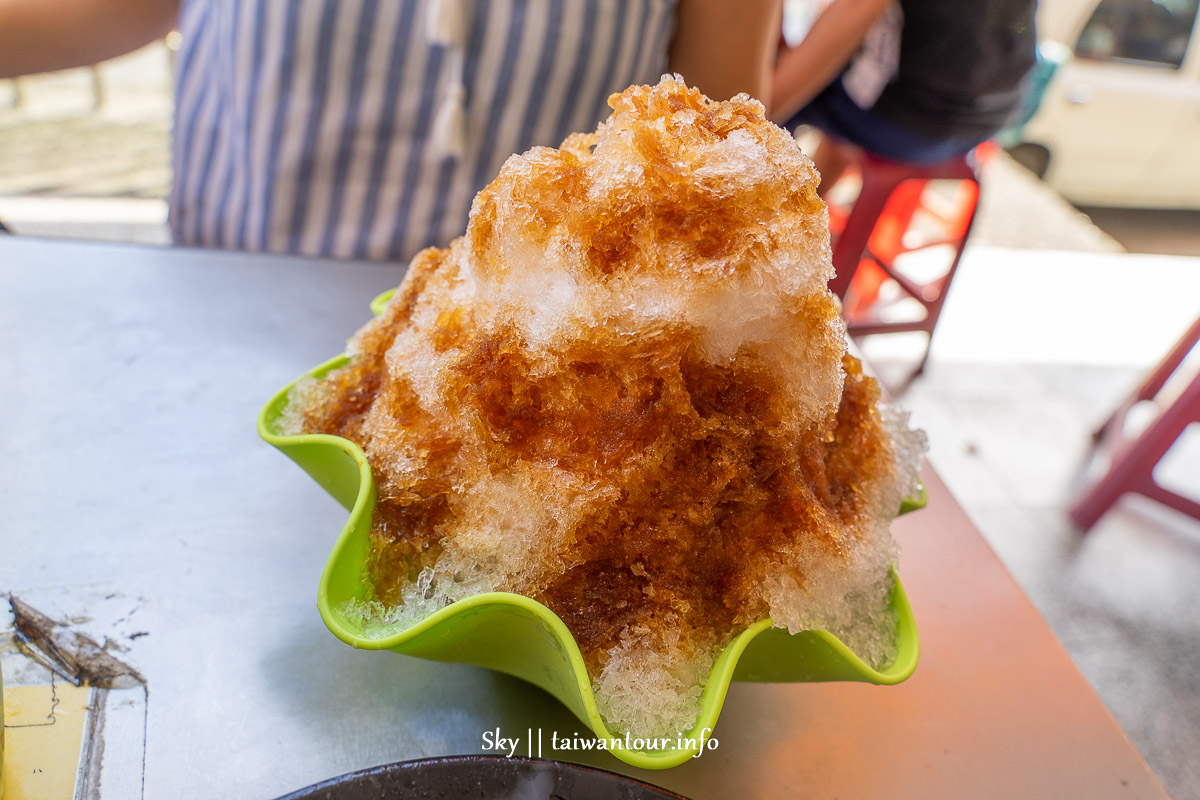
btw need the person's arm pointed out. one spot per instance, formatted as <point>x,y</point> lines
<point>724,48</point>
<point>801,72</point>
<point>44,35</point>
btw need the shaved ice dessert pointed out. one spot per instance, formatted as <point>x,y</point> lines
<point>625,393</point>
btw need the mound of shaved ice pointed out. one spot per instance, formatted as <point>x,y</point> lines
<point>625,393</point>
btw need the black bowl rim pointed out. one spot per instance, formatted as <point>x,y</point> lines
<point>404,766</point>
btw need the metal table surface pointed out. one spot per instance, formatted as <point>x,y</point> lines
<point>136,497</point>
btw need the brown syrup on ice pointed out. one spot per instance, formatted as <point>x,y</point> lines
<point>711,485</point>
<point>671,485</point>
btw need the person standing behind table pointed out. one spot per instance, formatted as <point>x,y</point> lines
<point>917,81</point>
<point>364,128</point>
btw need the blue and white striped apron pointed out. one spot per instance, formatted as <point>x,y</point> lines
<point>363,128</point>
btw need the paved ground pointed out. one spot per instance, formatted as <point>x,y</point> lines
<point>86,158</point>
<point>72,168</point>
<point>1047,326</point>
<point>1017,380</point>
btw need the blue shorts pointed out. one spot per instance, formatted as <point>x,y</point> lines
<point>834,113</point>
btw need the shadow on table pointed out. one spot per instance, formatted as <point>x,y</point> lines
<point>366,708</point>
<point>1172,232</point>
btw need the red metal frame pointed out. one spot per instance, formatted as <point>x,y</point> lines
<point>873,237</point>
<point>1134,460</point>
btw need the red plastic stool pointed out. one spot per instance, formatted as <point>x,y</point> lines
<point>892,210</point>
<point>1134,460</point>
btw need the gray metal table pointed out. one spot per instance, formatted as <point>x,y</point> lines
<point>137,499</point>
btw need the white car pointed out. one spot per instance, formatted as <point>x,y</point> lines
<point>1119,123</point>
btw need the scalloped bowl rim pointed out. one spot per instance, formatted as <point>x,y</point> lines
<point>715,687</point>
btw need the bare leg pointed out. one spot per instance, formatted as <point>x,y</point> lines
<point>831,160</point>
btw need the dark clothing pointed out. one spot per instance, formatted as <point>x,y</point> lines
<point>834,113</point>
<point>963,66</point>
<point>961,77</point>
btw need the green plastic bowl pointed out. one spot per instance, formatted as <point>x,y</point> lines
<point>521,637</point>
